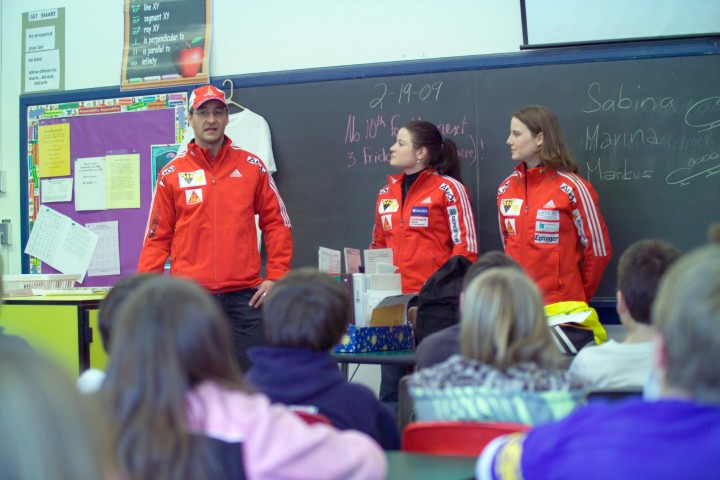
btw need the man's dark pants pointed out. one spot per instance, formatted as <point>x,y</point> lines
<point>245,323</point>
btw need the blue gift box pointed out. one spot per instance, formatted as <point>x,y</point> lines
<point>373,339</point>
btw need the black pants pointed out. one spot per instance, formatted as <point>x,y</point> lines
<point>390,376</point>
<point>245,323</point>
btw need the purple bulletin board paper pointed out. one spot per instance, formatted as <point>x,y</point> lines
<point>99,135</point>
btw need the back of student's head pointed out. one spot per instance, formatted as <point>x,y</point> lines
<point>171,330</point>
<point>306,309</point>
<point>486,261</point>
<point>686,311</point>
<point>503,321</point>
<point>640,269</point>
<point>112,302</point>
<point>169,336</point>
<point>47,431</point>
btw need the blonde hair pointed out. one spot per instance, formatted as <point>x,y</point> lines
<point>686,311</point>
<point>503,321</point>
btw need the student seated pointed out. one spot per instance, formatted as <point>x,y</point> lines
<point>509,369</point>
<point>178,406</point>
<point>628,364</point>
<point>676,436</point>
<point>439,346</point>
<point>305,317</point>
<point>91,379</point>
<point>47,431</point>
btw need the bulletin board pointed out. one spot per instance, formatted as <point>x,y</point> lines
<point>105,124</point>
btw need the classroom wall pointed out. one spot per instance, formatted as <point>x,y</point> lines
<point>250,37</point>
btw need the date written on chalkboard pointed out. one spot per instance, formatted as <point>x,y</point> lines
<point>406,94</point>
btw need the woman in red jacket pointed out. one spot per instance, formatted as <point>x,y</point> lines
<point>549,216</point>
<point>424,212</point>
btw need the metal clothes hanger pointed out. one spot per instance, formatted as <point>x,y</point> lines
<point>229,99</point>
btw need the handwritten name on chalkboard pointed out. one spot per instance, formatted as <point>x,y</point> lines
<point>165,43</point>
<point>651,121</point>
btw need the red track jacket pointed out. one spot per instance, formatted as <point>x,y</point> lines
<point>435,224</point>
<point>203,216</point>
<point>551,224</point>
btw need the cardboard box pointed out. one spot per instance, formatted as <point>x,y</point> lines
<point>373,339</point>
<point>391,311</point>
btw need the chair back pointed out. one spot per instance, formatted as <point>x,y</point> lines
<point>454,437</point>
<point>406,407</point>
<point>612,394</point>
<point>311,418</point>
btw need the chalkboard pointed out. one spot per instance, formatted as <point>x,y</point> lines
<point>642,122</point>
<point>643,131</point>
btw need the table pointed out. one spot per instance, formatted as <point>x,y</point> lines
<point>64,327</point>
<point>418,466</point>
<point>384,357</point>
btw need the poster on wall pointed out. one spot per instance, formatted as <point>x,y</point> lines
<point>167,42</point>
<point>43,47</point>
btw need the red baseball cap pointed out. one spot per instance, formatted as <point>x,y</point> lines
<point>204,94</point>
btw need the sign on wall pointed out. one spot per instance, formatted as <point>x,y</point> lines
<point>167,42</point>
<point>43,45</point>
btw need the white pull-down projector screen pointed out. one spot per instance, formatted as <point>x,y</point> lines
<point>577,21</point>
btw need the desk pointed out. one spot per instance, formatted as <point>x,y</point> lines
<point>417,466</point>
<point>384,357</point>
<point>64,327</point>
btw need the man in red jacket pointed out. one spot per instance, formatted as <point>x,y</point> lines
<point>203,218</point>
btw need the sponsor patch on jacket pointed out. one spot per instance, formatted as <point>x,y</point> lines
<point>388,205</point>
<point>569,191</point>
<point>549,204</point>
<point>167,170</point>
<point>541,226</point>
<point>386,221</point>
<point>257,163</point>
<point>548,215</point>
<point>426,201</point>
<point>384,190</point>
<point>193,196</point>
<point>546,238</point>
<point>510,207</point>
<point>448,192</point>
<point>503,187</point>
<point>235,174</point>
<point>510,226</point>
<point>419,217</point>
<point>454,224</point>
<point>577,220</point>
<point>192,179</point>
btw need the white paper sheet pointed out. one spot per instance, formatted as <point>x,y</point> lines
<point>106,259</point>
<point>379,261</point>
<point>90,184</point>
<point>56,190</point>
<point>61,242</point>
<point>329,260</point>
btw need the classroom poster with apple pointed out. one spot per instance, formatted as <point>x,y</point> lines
<point>166,43</point>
